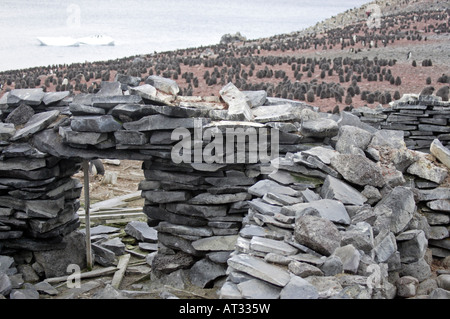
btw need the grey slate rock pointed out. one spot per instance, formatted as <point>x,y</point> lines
<point>332,266</point>
<point>258,289</point>
<point>98,124</point>
<point>28,96</point>
<point>299,288</point>
<point>333,188</point>
<point>163,84</point>
<point>424,168</point>
<point>115,245</point>
<point>257,268</point>
<point>401,202</point>
<point>20,115</point>
<point>412,245</point>
<point>54,97</point>
<point>204,272</point>
<point>256,98</point>
<point>36,123</point>
<point>238,107</point>
<point>7,130</point>
<point>161,122</point>
<point>141,231</point>
<point>351,137</point>
<point>329,209</point>
<point>317,233</point>
<point>109,89</point>
<point>80,109</point>
<point>5,284</point>
<point>441,152</point>
<point>109,102</point>
<point>358,169</point>
<point>265,186</point>
<point>319,128</point>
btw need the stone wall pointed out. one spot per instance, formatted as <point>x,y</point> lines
<point>336,208</point>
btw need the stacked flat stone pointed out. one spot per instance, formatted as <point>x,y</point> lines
<point>39,198</point>
<point>338,221</point>
<point>421,118</point>
<point>334,215</point>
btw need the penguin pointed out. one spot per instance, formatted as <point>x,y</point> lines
<point>427,90</point>
<point>443,93</point>
<point>408,56</point>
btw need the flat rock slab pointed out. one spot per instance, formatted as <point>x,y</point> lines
<point>267,245</point>
<point>161,122</point>
<point>441,152</point>
<point>263,187</point>
<point>258,268</point>
<point>428,170</point>
<point>319,128</point>
<point>142,232</point>
<point>36,123</point>
<point>332,210</point>
<point>358,169</point>
<point>54,97</point>
<point>98,124</point>
<point>163,84</point>
<point>216,243</point>
<point>28,96</point>
<point>334,188</point>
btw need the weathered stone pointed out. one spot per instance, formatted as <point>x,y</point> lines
<point>142,232</point>
<point>319,128</point>
<point>5,284</point>
<point>440,205</point>
<point>385,247</point>
<point>127,80</point>
<point>27,96</point>
<point>412,245</point>
<point>150,93</point>
<point>36,123</point>
<point>7,130</point>
<point>439,293</point>
<point>204,272</point>
<point>317,233</point>
<point>332,266</point>
<point>109,102</point>
<point>443,281</point>
<point>54,97</point>
<point>238,107</point>
<point>209,199</point>
<point>161,122</point>
<point>82,138</point>
<point>419,269</point>
<point>426,169</point>
<point>275,113</point>
<point>358,169</point>
<point>264,208</point>
<point>109,89</point>
<point>256,98</point>
<point>163,84</point>
<point>20,115</point>
<point>336,189</point>
<point>267,245</point>
<point>258,289</point>
<point>441,152</point>
<point>115,245</point>
<point>303,270</point>
<point>360,235</point>
<point>350,137</point>
<point>329,209</point>
<point>327,287</point>
<point>55,261</point>
<point>215,243</point>
<point>299,288</point>
<point>163,197</point>
<point>401,202</point>
<point>407,286</point>
<point>257,268</point>
<point>350,258</point>
<point>265,186</point>
<point>184,230</point>
<point>99,124</point>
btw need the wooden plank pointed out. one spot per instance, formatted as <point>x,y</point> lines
<point>118,275</point>
<point>84,275</point>
<point>116,201</point>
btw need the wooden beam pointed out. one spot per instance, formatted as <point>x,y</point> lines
<point>84,275</point>
<point>119,274</point>
<point>87,220</point>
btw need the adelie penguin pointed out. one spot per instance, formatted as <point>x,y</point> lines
<point>427,90</point>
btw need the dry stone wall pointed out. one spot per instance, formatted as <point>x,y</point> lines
<point>277,198</point>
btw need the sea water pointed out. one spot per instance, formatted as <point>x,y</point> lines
<point>144,26</point>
